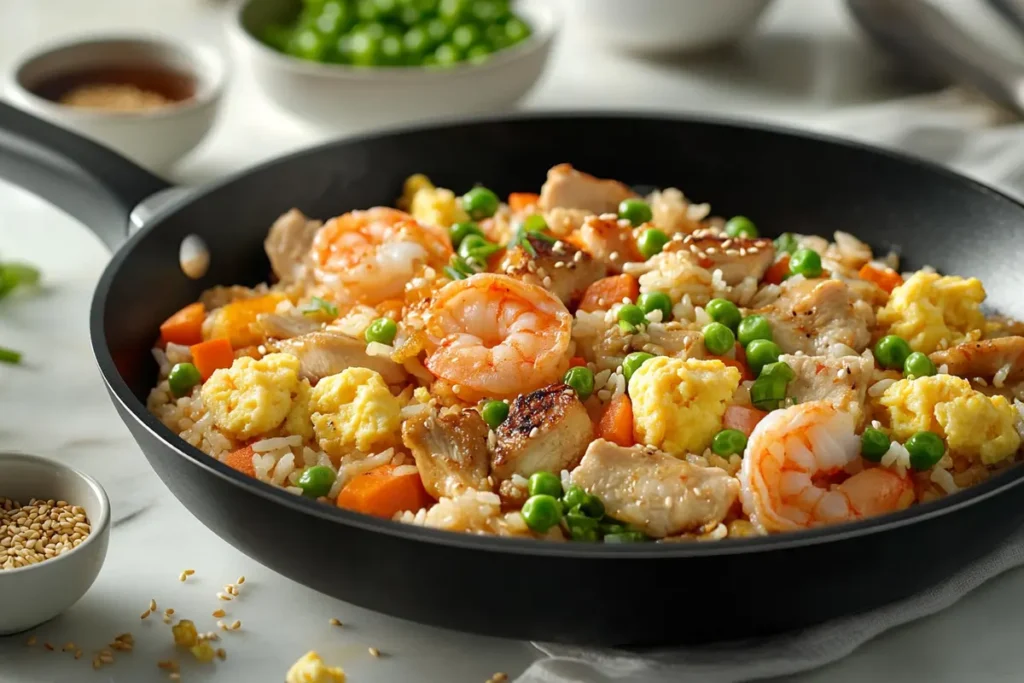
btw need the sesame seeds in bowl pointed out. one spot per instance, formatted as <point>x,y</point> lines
<point>54,529</point>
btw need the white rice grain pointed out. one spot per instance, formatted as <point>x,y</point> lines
<point>896,458</point>
<point>285,466</point>
<point>1000,377</point>
<point>879,387</point>
<point>520,481</point>
<point>944,480</point>
<point>353,469</point>
<point>379,350</point>
<point>403,470</point>
<point>414,410</point>
<point>275,443</point>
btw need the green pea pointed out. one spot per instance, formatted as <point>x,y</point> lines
<point>366,10</point>
<point>307,44</point>
<point>182,378</point>
<point>425,6</point>
<point>632,363</point>
<point>480,202</point>
<point>391,51</point>
<point>753,327</point>
<point>363,48</point>
<point>415,42</point>
<point>632,314</point>
<point>382,331</point>
<point>460,231</point>
<point>410,15</point>
<point>610,526</point>
<point>656,301</point>
<point>574,497</point>
<point>466,36</point>
<point>494,413</point>
<point>729,442</point>
<point>740,226</point>
<point>534,223</point>
<point>447,54</point>
<point>334,18</point>
<point>436,30</point>
<point>718,339</point>
<point>725,312</point>
<point>651,242</point>
<point>918,365</point>
<point>453,11</point>
<point>874,443</point>
<point>806,262</point>
<point>544,483</point>
<point>488,11</point>
<point>892,352</point>
<point>496,37</point>
<point>787,243</point>
<point>636,211</point>
<point>626,537</point>
<point>317,481</point>
<point>541,512</point>
<point>516,30</point>
<point>581,526</point>
<point>761,352</point>
<point>592,507</point>
<point>581,379</point>
<point>926,449</point>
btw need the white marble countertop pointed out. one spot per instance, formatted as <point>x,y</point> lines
<point>806,61</point>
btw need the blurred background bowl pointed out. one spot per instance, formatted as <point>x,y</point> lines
<point>39,592</point>
<point>343,97</point>
<point>666,26</point>
<point>152,137</point>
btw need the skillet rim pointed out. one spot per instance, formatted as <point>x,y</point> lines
<point>122,394</point>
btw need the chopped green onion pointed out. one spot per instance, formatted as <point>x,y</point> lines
<point>17,275</point>
<point>318,305</point>
<point>9,356</point>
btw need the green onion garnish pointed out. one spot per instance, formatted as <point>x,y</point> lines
<point>9,356</point>
<point>318,305</point>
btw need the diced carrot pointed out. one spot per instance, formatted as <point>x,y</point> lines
<point>521,201</point>
<point>886,278</point>
<point>616,425</point>
<point>380,493</point>
<point>212,355</point>
<point>185,326</point>
<point>235,320</point>
<point>742,418</point>
<point>241,460</point>
<point>777,271</point>
<point>602,294</point>
<point>577,362</point>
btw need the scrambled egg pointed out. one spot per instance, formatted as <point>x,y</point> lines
<point>972,424</point>
<point>431,205</point>
<point>678,404</point>
<point>311,669</point>
<point>354,409</point>
<point>185,634</point>
<point>254,397</point>
<point>234,321</point>
<point>928,310</point>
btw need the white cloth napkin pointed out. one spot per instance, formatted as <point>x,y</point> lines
<point>951,128</point>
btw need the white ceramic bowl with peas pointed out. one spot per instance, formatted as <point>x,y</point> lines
<point>357,64</point>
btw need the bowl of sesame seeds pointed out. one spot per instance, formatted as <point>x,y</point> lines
<point>54,528</point>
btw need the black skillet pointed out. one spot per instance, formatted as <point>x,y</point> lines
<point>636,595</point>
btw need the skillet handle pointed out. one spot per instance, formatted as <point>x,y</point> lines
<point>92,183</point>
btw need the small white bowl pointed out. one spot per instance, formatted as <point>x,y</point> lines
<point>39,592</point>
<point>662,26</point>
<point>153,138</point>
<point>340,97</point>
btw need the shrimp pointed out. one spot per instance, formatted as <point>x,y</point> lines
<point>369,256</point>
<point>789,459</point>
<point>496,337</point>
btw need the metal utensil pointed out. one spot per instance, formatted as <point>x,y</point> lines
<point>918,32</point>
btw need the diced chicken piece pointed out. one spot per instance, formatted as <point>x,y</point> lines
<point>736,257</point>
<point>554,267</point>
<point>670,340</point>
<point>814,315</point>
<point>276,326</point>
<point>610,241</point>
<point>571,189</point>
<point>848,252</point>
<point>547,430</point>
<point>843,381</point>
<point>653,491</point>
<point>984,358</point>
<point>322,354</point>
<point>563,222</point>
<point>288,245</point>
<point>450,452</point>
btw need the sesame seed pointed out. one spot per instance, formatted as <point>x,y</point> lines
<point>152,605</point>
<point>167,619</point>
<point>230,589</point>
<point>222,626</point>
<point>78,654</point>
<point>752,250</point>
<point>221,653</point>
<point>145,614</point>
<point>711,250</point>
<point>547,281</point>
<point>241,580</point>
<point>498,678</point>
<point>166,664</point>
<point>182,577</point>
<point>578,256</point>
<point>169,611</point>
<point>68,646</point>
<point>31,641</point>
<point>534,432</point>
<point>456,388</point>
<point>727,243</point>
<point>334,622</point>
<point>374,652</point>
<point>48,646</point>
<point>236,624</point>
<point>175,676</point>
<point>96,663</point>
<point>189,572</point>
<point>106,657</point>
<point>218,613</point>
<point>223,596</point>
<point>743,252</point>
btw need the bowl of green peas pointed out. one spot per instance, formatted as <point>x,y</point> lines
<point>356,64</point>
